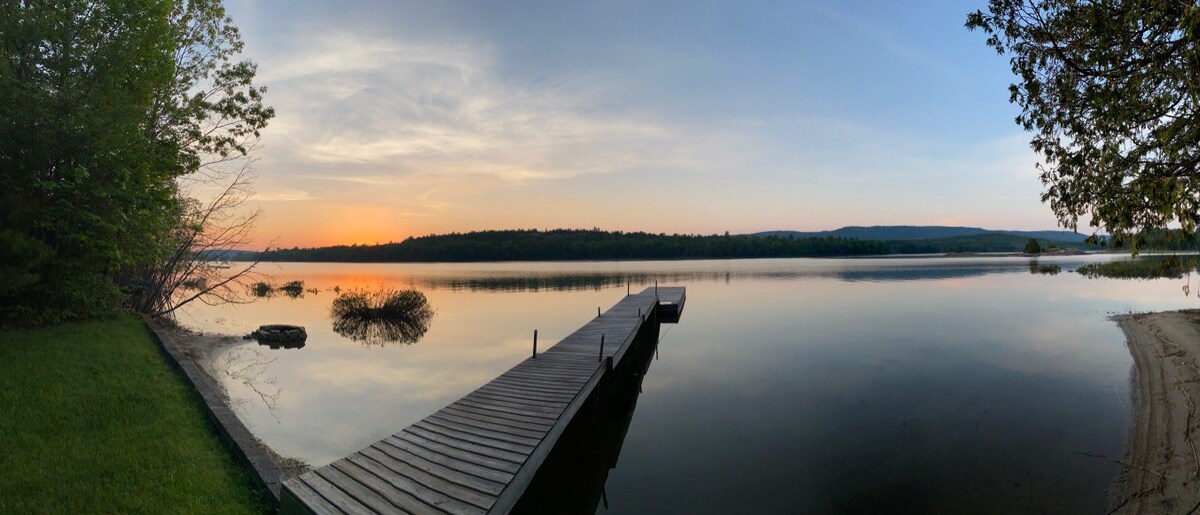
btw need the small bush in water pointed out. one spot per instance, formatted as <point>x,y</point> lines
<point>384,316</point>
<point>293,288</point>
<point>260,289</point>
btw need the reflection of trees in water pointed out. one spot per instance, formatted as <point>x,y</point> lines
<point>382,317</point>
<point>247,365</point>
<point>1153,267</point>
<point>1038,269</point>
<point>520,282</point>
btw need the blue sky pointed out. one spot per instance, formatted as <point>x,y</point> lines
<point>400,118</point>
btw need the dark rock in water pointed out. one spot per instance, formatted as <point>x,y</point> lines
<point>279,333</point>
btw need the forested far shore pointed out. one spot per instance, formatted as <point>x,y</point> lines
<point>571,244</point>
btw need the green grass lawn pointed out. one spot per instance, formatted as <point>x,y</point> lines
<point>93,419</point>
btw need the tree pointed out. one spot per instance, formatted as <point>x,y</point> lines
<point>213,107</point>
<point>1109,91</point>
<point>1032,247</point>
<point>195,268</point>
<point>105,106</point>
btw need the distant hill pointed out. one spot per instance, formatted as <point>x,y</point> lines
<point>918,232</point>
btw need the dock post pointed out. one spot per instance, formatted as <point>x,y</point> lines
<point>608,364</point>
<point>535,344</point>
<point>639,312</point>
<point>597,311</point>
<point>626,287</point>
<point>601,348</point>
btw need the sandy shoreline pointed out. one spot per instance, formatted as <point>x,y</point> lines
<point>1160,472</point>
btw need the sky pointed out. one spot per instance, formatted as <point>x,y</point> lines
<point>399,119</point>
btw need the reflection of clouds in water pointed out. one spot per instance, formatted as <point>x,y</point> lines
<point>410,383</point>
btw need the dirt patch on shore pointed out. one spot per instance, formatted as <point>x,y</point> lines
<point>1160,472</point>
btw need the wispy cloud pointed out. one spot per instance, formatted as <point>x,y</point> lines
<point>376,110</point>
<point>281,195</point>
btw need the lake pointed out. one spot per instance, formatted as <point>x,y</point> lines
<point>789,385</point>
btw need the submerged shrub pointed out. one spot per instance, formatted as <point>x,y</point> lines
<point>384,316</point>
<point>260,289</point>
<point>293,289</point>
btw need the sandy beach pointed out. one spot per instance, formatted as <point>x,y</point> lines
<point>1161,466</point>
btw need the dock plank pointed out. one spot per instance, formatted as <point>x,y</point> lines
<point>499,417</point>
<point>467,445</point>
<point>534,391</point>
<point>465,455</point>
<point>482,415</point>
<point>400,499</point>
<point>360,492</point>
<point>524,400</point>
<point>485,432</point>
<point>335,495</point>
<point>430,481</point>
<point>474,437</point>
<point>435,468</point>
<point>488,425</point>
<point>489,473</point>
<point>304,494</point>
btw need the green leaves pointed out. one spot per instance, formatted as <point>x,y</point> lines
<point>104,105</point>
<point>1109,91</point>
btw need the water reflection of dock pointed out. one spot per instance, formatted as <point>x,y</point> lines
<point>479,454</point>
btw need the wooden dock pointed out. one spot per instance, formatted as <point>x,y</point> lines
<point>478,454</point>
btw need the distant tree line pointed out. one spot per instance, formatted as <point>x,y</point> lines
<point>573,244</point>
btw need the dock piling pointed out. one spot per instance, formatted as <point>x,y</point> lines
<point>601,348</point>
<point>535,344</point>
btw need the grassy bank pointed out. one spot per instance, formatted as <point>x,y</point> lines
<point>93,419</point>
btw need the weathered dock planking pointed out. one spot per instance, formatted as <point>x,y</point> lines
<point>478,454</point>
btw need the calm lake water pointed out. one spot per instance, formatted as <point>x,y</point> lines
<point>792,385</point>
